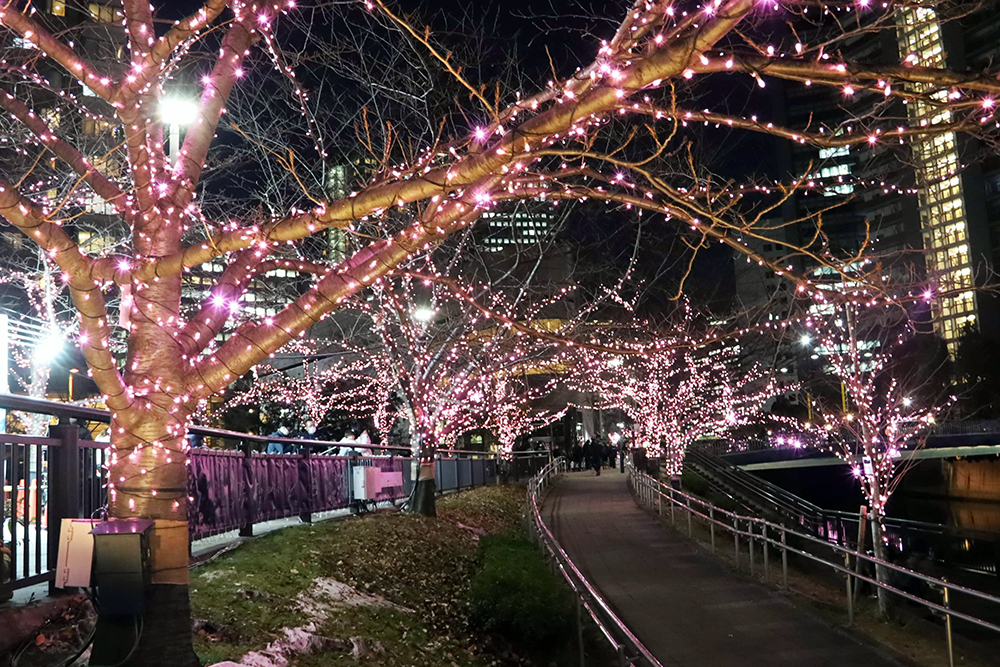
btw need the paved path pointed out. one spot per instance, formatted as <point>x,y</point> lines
<point>685,607</point>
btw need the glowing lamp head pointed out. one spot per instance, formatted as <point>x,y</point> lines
<point>49,348</point>
<point>178,111</point>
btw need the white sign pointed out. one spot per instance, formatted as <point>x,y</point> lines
<point>869,468</point>
<point>76,553</point>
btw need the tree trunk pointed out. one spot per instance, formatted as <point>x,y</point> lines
<point>424,496</point>
<point>164,633</point>
<point>148,479</point>
<point>881,572</point>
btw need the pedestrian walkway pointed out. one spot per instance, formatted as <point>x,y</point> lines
<point>687,609</point>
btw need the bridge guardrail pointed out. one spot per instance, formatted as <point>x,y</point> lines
<point>976,550</point>
<point>653,494</point>
<point>629,649</point>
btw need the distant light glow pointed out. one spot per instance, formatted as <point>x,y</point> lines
<point>423,314</point>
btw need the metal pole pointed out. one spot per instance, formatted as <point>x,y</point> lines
<point>784,561</point>
<point>736,540</point>
<point>711,526</point>
<point>850,591</point>
<point>673,519</point>
<point>767,564</point>
<point>750,540</point>
<point>175,141</point>
<point>947,626</point>
<point>690,533</point>
<point>579,629</point>
<point>621,656</point>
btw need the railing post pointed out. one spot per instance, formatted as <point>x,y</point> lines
<point>690,530</point>
<point>579,630</point>
<point>711,526</point>
<point>305,480</point>
<point>947,626</point>
<point>673,517</point>
<point>750,540</point>
<point>249,508</point>
<point>784,560</point>
<point>767,563</point>
<point>659,503</point>
<point>736,540</point>
<point>64,486</point>
<point>850,590</point>
<point>621,656</point>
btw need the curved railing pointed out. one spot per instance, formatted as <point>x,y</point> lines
<point>760,533</point>
<point>629,649</point>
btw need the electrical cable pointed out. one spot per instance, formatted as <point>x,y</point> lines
<point>75,656</point>
<point>138,635</point>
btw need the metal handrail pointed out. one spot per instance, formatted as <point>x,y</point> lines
<point>818,515</point>
<point>779,500</point>
<point>588,597</point>
<point>651,492</point>
<point>68,410</point>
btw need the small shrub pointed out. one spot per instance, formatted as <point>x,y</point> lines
<point>515,595</point>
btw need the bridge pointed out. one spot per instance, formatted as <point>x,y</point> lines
<point>949,440</point>
<point>662,596</point>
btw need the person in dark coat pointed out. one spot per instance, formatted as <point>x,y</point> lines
<point>594,453</point>
<point>577,457</point>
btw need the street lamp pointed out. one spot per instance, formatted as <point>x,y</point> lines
<point>176,111</point>
<point>48,348</point>
<point>423,314</point>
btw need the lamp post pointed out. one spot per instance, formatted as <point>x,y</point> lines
<point>72,374</point>
<point>174,112</point>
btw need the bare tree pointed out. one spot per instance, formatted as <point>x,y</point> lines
<point>888,402</point>
<point>684,383</point>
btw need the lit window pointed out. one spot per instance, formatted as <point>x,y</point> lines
<point>57,7</point>
<point>105,13</point>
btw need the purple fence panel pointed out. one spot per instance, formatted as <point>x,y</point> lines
<point>216,483</point>
<point>275,491</point>
<point>330,485</point>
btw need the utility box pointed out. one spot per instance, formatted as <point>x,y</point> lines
<point>122,565</point>
<point>359,484</point>
<point>369,482</point>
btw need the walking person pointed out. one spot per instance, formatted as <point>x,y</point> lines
<point>594,453</point>
<point>577,457</point>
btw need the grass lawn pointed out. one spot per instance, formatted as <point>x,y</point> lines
<point>423,565</point>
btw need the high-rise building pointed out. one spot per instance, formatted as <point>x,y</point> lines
<point>941,192</point>
<point>928,206</point>
<point>524,225</point>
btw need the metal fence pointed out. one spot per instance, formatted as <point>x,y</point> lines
<point>953,546</point>
<point>627,647</point>
<point>756,534</point>
<point>47,479</point>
